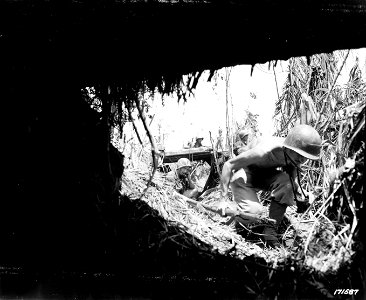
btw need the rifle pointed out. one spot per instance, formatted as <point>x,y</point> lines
<point>224,212</point>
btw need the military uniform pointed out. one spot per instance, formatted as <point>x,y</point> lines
<point>265,173</point>
<point>271,165</point>
<point>181,183</point>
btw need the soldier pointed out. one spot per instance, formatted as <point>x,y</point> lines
<point>182,179</point>
<point>271,165</point>
<point>242,144</point>
<point>198,142</point>
<point>219,141</point>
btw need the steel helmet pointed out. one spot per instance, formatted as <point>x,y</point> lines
<point>304,140</point>
<point>183,162</point>
<point>242,133</point>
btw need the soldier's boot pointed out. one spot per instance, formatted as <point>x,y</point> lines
<point>277,212</point>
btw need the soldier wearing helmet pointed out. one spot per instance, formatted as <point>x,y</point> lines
<point>219,142</point>
<point>241,144</point>
<point>181,177</point>
<point>243,135</point>
<point>198,142</point>
<point>271,165</point>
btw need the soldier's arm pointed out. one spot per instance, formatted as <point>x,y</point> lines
<point>247,158</point>
<point>190,182</point>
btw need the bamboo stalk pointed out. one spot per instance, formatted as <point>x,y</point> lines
<point>228,131</point>
<point>215,155</point>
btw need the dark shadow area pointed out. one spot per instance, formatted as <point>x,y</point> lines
<point>65,231</point>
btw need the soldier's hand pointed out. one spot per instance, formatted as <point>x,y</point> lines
<point>309,197</point>
<point>349,164</point>
<point>332,174</point>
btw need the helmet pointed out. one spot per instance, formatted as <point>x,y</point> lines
<point>242,133</point>
<point>161,147</point>
<point>183,162</point>
<point>304,140</point>
<point>199,138</point>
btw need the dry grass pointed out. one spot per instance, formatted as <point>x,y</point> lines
<point>324,248</point>
<point>207,227</point>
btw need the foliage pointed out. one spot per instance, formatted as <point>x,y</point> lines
<point>249,123</point>
<point>312,96</point>
<point>116,101</point>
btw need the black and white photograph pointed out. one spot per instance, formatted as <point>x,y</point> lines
<point>194,149</point>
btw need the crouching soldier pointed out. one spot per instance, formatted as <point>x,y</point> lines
<point>271,165</point>
<point>181,177</point>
